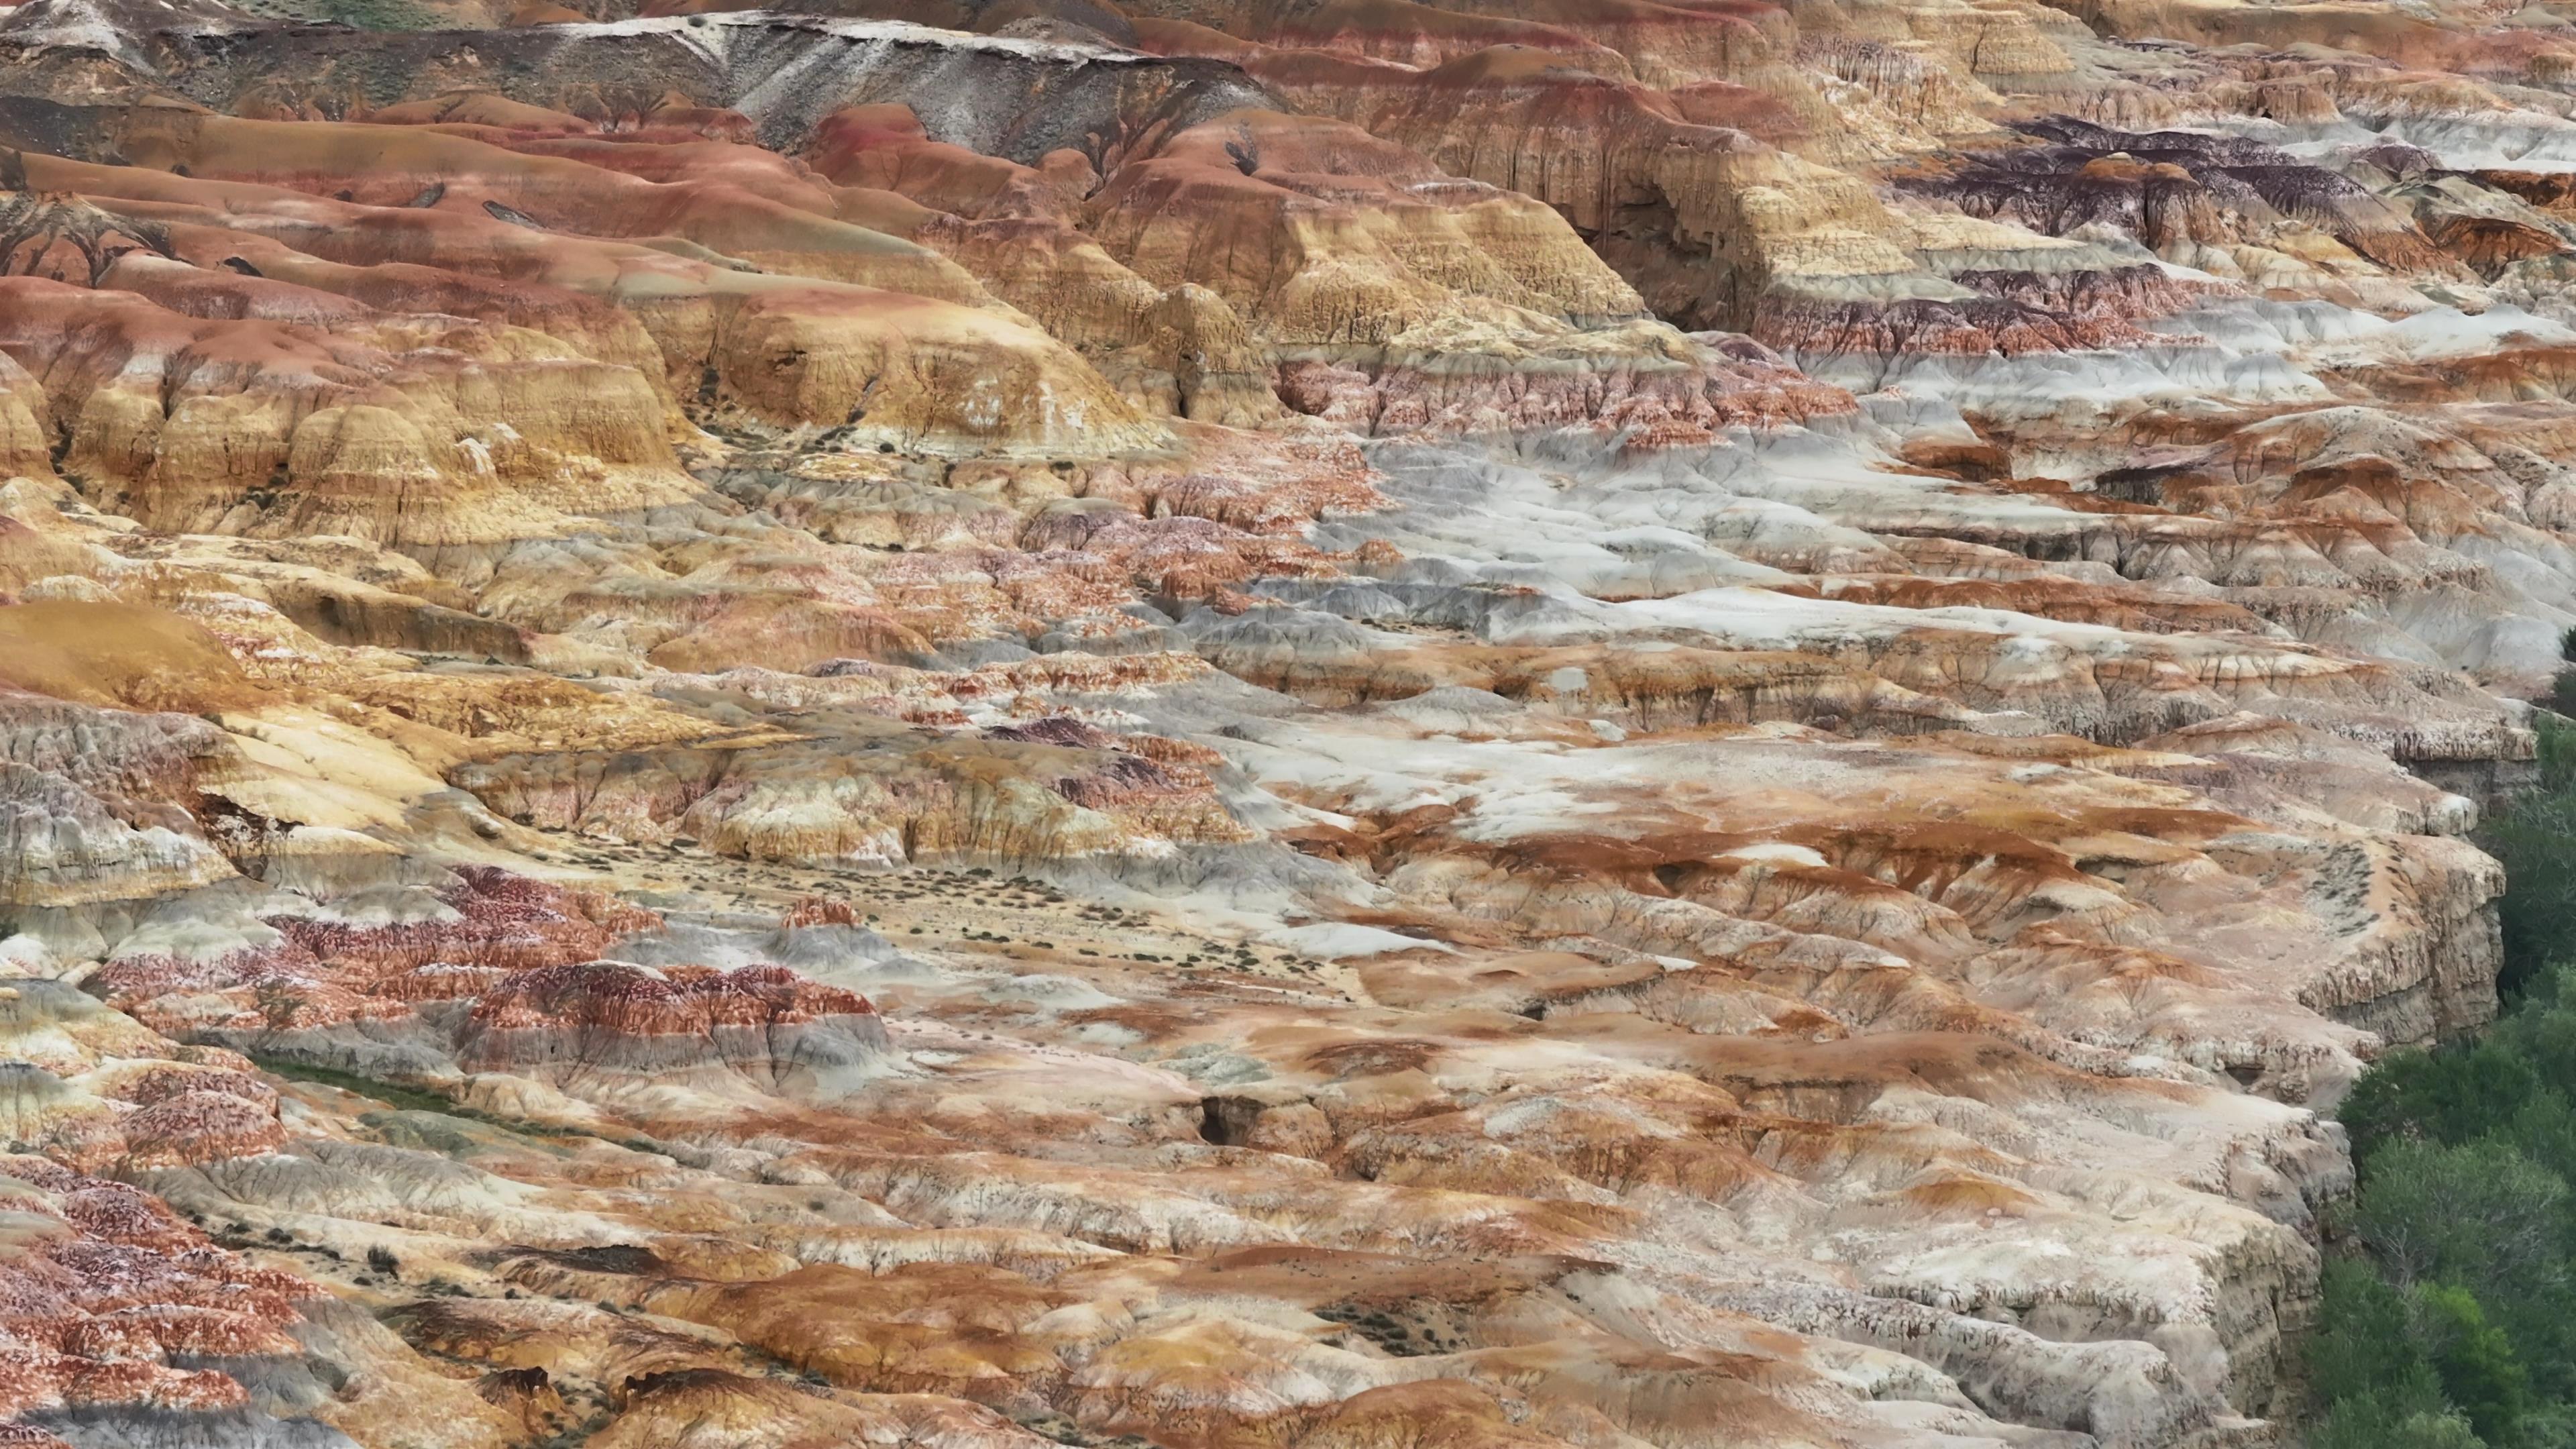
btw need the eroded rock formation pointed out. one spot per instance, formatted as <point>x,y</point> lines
<point>1242,725</point>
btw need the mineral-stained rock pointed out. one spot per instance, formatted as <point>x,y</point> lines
<point>607,1018</point>
<point>1562,724</point>
<point>2189,198</point>
<point>107,1287</point>
<point>863,795</point>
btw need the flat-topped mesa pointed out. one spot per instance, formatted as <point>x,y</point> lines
<point>1351,239</point>
<point>407,435</point>
<point>600,1021</point>
<point>1701,218</point>
<point>1368,259</point>
<point>2010,291</point>
<point>2203,201</point>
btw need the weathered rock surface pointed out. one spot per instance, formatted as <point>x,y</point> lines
<point>1539,724</point>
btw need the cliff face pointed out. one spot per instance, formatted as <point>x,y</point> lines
<point>1267,726</point>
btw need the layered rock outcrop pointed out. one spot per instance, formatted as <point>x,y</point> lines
<point>1243,726</point>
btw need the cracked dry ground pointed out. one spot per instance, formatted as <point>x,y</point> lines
<point>1245,724</point>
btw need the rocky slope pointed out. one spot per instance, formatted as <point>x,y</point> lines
<point>1244,725</point>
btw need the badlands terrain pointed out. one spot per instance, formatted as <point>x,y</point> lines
<point>1245,724</point>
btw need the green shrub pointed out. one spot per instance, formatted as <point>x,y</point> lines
<point>2446,1096</point>
<point>2546,1426</point>
<point>2474,1359</point>
<point>2368,1423</point>
<point>2458,1329</point>
<point>2543,1130</point>
<point>2562,692</point>
<point>2480,1215</point>
<point>2536,841</point>
<point>2557,750</point>
<point>2365,1343</point>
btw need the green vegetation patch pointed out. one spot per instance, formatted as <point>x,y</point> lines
<point>2449,1312</point>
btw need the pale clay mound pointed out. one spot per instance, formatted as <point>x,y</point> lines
<point>1526,724</point>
